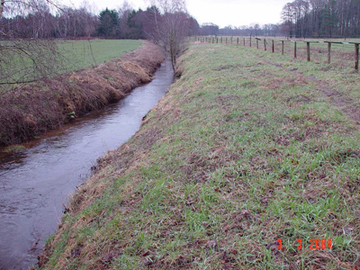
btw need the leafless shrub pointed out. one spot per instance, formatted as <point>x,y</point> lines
<point>172,28</point>
<point>26,60</point>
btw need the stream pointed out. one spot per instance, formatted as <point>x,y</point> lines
<point>35,184</point>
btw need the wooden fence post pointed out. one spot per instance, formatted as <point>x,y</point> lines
<point>221,40</point>
<point>282,47</point>
<point>264,44</point>
<point>226,40</point>
<point>308,50</point>
<point>329,48</point>
<point>244,42</point>
<point>250,41</point>
<point>257,43</point>
<point>357,56</point>
<point>272,46</point>
<point>237,41</point>
<point>295,49</point>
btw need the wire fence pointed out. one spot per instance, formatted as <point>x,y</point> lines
<point>331,51</point>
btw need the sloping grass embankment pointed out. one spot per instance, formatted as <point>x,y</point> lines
<point>245,149</point>
<point>30,110</point>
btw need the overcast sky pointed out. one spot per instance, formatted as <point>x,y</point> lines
<point>220,12</point>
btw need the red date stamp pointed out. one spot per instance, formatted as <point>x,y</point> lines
<point>313,244</point>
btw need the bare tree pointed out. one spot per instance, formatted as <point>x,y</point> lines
<point>326,18</point>
<point>125,9</point>
<point>287,16</point>
<point>2,4</point>
<point>173,28</point>
<point>26,60</point>
<point>124,12</point>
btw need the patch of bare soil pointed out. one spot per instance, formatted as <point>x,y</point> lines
<point>33,109</point>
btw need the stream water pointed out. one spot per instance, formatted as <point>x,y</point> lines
<point>35,184</point>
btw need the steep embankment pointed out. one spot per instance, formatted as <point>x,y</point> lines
<point>245,149</point>
<point>28,111</point>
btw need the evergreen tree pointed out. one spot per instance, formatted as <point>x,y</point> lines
<point>109,23</point>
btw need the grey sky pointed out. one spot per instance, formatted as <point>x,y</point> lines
<point>220,12</point>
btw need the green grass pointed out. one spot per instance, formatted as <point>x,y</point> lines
<point>15,149</point>
<point>242,151</point>
<point>342,55</point>
<point>83,53</point>
<point>71,55</point>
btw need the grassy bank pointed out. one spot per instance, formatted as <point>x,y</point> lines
<point>30,110</point>
<point>246,148</point>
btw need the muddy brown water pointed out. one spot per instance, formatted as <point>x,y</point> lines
<point>35,184</point>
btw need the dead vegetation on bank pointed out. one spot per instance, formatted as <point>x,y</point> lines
<point>30,110</point>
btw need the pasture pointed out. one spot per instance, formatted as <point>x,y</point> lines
<point>342,55</point>
<point>80,54</point>
<point>250,161</point>
<point>29,60</point>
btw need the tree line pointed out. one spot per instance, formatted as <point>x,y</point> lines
<point>245,30</point>
<point>322,18</point>
<point>302,19</point>
<point>81,22</point>
<point>32,27</point>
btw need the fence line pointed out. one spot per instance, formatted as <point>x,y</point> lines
<point>308,46</point>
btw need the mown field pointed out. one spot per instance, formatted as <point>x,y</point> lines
<point>36,59</point>
<point>246,148</point>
